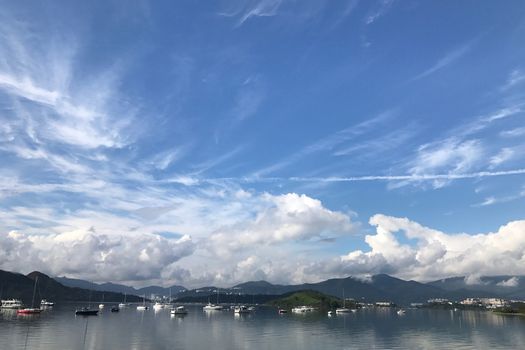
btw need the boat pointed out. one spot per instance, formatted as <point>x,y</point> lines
<point>158,306</point>
<point>115,309</point>
<point>11,304</point>
<point>31,310</point>
<point>302,309</point>
<point>85,311</point>
<point>179,310</point>
<point>282,311</point>
<point>401,312</point>
<point>123,304</point>
<point>45,303</point>
<point>241,310</point>
<point>343,309</point>
<point>143,307</point>
<point>100,306</point>
<point>213,307</point>
<point>251,308</point>
<point>330,313</point>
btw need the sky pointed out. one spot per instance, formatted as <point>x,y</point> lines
<point>217,142</point>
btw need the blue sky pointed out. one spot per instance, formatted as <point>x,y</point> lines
<point>217,142</point>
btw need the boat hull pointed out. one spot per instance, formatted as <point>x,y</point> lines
<point>86,312</point>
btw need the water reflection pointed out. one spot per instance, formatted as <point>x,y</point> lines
<point>365,329</point>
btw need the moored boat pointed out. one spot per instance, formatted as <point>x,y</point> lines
<point>241,310</point>
<point>45,303</point>
<point>11,304</point>
<point>179,310</point>
<point>86,312</point>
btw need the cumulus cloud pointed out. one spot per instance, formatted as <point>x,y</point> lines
<point>511,282</point>
<point>83,253</point>
<point>435,254</point>
<point>282,218</point>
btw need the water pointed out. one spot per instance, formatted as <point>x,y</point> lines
<point>264,329</point>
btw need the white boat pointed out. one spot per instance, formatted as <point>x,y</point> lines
<point>100,306</point>
<point>330,313</point>
<point>158,306</point>
<point>143,306</point>
<point>401,312</point>
<point>302,309</point>
<point>344,309</point>
<point>241,310</point>
<point>212,307</point>
<point>11,304</point>
<point>123,304</point>
<point>179,310</point>
<point>45,303</point>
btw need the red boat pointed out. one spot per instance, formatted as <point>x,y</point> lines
<point>28,311</point>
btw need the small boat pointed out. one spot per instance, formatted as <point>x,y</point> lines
<point>115,309</point>
<point>31,310</point>
<point>143,307</point>
<point>401,312</point>
<point>212,307</point>
<point>179,310</point>
<point>86,312</point>
<point>123,304</point>
<point>28,311</point>
<point>302,309</point>
<point>158,306</point>
<point>100,306</point>
<point>251,308</point>
<point>45,303</point>
<point>344,309</point>
<point>282,311</point>
<point>241,310</point>
<point>11,304</point>
<point>330,313</point>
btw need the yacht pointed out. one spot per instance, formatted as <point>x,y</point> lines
<point>241,310</point>
<point>302,309</point>
<point>401,312</point>
<point>143,306</point>
<point>31,310</point>
<point>179,310</point>
<point>86,312</point>
<point>343,309</point>
<point>100,306</point>
<point>123,304</point>
<point>211,307</point>
<point>158,306</point>
<point>45,303</point>
<point>282,311</point>
<point>11,304</point>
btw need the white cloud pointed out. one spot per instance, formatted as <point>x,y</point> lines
<point>452,156</point>
<point>280,219</point>
<point>435,254</point>
<point>446,60</point>
<point>83,253</point>
<point>511,282</point>
<point>504,155</point>
<point>383,9</point>
<point>513,132</point>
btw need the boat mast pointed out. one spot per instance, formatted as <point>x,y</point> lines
<point>34,292</point>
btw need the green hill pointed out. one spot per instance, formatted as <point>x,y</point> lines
<point>308,298</point>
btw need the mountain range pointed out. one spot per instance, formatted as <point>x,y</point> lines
<point>16,285</point>
<point>380,287</point>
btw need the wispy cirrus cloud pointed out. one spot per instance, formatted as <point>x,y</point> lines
<point>449,58</point>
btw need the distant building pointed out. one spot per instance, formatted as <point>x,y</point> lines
<point>441,301</point>
<point>471,302</point>
<point>492,303</point>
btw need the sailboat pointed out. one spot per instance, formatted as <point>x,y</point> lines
<point>343,309</point>
<point>87,311</point>
<point>123,305</point>
<point>212,307</point>
<point>32,310</point>
<point>143,306</point>
<point>101,305</point>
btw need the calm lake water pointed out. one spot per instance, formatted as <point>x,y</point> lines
<point>263,329</point>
